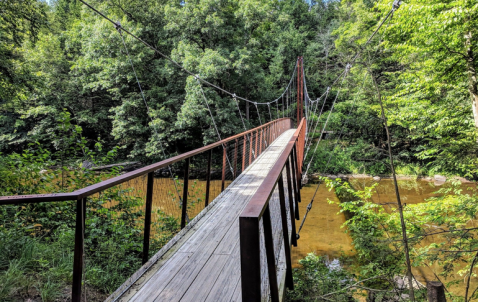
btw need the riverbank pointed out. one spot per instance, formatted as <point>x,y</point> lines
<point>436,178</point>
<point>324,234</point>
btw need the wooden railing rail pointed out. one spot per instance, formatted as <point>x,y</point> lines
<point>258,208</point>
<point>254,141</point>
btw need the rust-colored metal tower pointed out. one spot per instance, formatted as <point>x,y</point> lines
<point>300,89</point>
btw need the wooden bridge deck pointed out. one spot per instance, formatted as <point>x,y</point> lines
<point>202,263</point>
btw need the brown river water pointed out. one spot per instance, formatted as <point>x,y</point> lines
<point>322,232</point>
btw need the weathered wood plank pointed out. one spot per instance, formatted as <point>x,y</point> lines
<point>227,281</point>
<point>200,288</point>
<point>162,277</point>
<point>204,264</point>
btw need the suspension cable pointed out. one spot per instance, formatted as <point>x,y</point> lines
<point>318,118</point>
<point>309,206</point>
<point>396,4</point>
<point>148,111</point>
<point>277,110</point>
<point>116,24</point>
<point>326,122</point>
<point>215,126</point>
<point>258,114</point>
<point>244,124</point>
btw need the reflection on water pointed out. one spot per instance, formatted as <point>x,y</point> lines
<point>322,232</point>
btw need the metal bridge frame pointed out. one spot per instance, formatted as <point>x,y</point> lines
<point>258,207</point>
<point>256,139</point>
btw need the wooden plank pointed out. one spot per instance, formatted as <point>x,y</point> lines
<point>161,278</point>
<point>237,296</point>
<point>212,266</point>
<point>204,280</point>
<point>227,281</point>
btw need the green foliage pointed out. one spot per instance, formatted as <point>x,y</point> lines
<point>377,239</point>
<point>315,279</point>
<point>37,240</point>
<point>79,64</point>
<point>423,61</point>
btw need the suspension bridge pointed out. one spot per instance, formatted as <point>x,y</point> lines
<point>237,247</point>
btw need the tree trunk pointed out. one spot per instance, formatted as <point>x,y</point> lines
<point>435,292</point>
<point>472,81</point>
<point>397,193</point>
<point>247,110</point>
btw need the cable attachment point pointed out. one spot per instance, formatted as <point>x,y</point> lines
<point>348,67</point>
<point>118,26</point>
<point>396,5</point>
<point>309,207</point>
<point>328,89</point>
<point>297,236</point>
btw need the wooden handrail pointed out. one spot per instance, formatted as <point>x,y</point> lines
<point>258,208</point>
<point>106,184</point>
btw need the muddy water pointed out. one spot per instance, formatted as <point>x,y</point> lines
<point>322,232</point>
<point>166,193</point>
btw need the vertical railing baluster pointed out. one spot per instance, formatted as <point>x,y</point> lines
<point>224,155</point>
<point>260,142</point>
<point>147,216</point>
<point>270,132</point>
<point>208,177</point>
<point>271,260</point>
<point>294,184</point>
<point>251,138</point>
<point>285,230</point>
<point>291,202</point>
<point>185,193</point>
<point>79,249</point>
<point>244,145</point>
<point>235,159</point>
<point>249,239</point>
<point>257,138</point>
<point>299,178</point>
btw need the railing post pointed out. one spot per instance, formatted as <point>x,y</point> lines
<point>250,259</point>
<point>257,137</point>
<point>289,282</point>
<point>298,174</point>
<point>185,193</point>
<point>147,216</point>
<point>244,152</point>
<point>251,139</point>
<point>271,133</point>
<point>208,177</point>
<point>224,155</point>
<point>291,202</point>
<point>271,260</point>
<point>79,249</point>
<point>294,182</point>
<point>260,142</point>
<point>235,159</point>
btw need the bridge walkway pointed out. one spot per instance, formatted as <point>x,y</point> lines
<point>202,263</point>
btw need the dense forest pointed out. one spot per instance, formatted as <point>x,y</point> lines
<point>69,94</point>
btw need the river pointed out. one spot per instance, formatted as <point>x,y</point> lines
<point>322,232</point>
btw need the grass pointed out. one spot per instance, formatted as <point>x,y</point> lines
<point>41,266</point>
